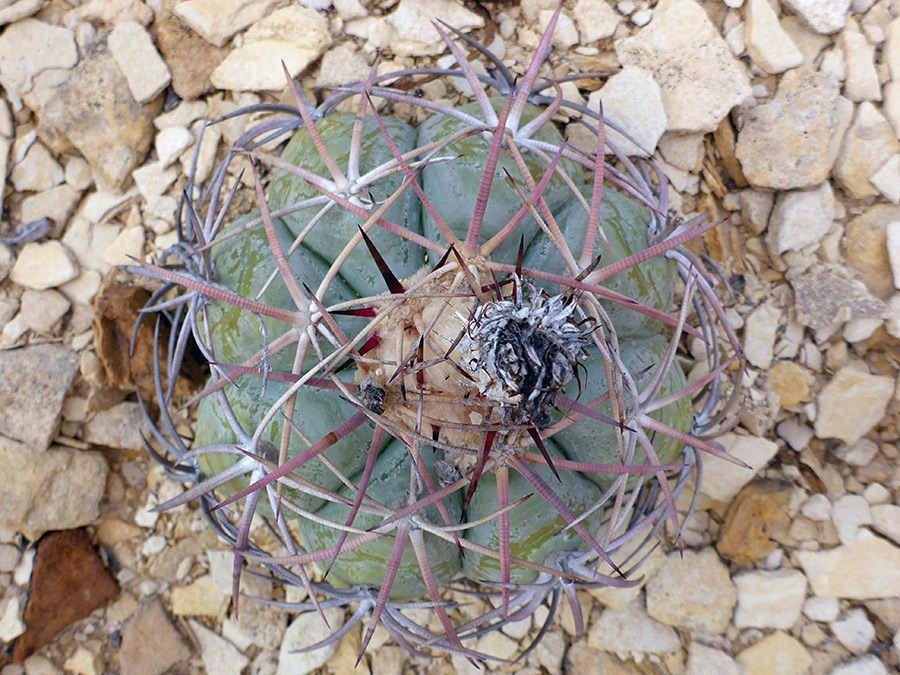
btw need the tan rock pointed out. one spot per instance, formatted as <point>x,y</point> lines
<point>864,248</point>
<point>867,145</point>
<point>851,404</point>
<point>294,35</point>
<point>200,598</point>
<point>43,265</point>
<point>692,591</point>
<point>93,108</point>
<point>777,653</point>
<point>785,144</point>
<point>767,43</point>
<point>75,478</point>
<point>769,598</point>
<point>190,58</point>
<point>218,20</point>
<point>723,479</point>
<point>829,295</point>
<point>789,381</point>
<point>134,51</point>
<point>700,79</point>
<point>867,569</point>
<point>413,32</point>
<point>630,630</point>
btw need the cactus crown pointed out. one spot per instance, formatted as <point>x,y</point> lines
<point>425,382</point>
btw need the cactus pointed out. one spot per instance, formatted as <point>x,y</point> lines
<point>445,355</point>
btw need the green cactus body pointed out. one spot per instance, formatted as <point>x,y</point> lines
<point>365,565</point>
<point>625,223</point>
<point>453,186</point>
<point>331,234</point>
<point>236,335</point>
<point>535,531</point>
<point>593,441</point>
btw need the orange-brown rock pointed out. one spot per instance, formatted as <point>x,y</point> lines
<point>759,510</point>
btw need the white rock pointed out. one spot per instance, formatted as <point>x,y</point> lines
<point>833,64</point>
<point>703,660</point>
<point>890,54</point>
<point>304,631</point>
<point>11,623</point>
<point>699,78</point>
<point>630,631</point>
<point>887,179</point>
<point>218,654</point>
<point>875,494</point>
<point>633,101</point>
<point>595,19</point>
<point>759,334</point>
<point>43,265</point>
<point>892,232</point>
<point>37,171</point>
<point>15,10</point>
<point>734,38</point>
<point>170,143</point>
<point>821,609</point>
<point>375,29</point>
<point>862,83</point>
<point>683,151</point>
<point>857,330</point>
<point>29,47</point>
<point>723,479</point>
<point>769,46</point>
<point>865,665</point>
<point>414,34</point>
<point>892,316</point>
<point>886,520</point>
<point>794,433</point>
<point>350,9</point>
<point>642,17</point>
<point>144,69</point>
<point>851,404</point>
<point>497,643</point>
<point>769,599</point>
<point>565,35</point>
<point>868,144</point>
<point>823,16</point>
<point>817,508</point>
<point>340,65</point>
<point>6,261</point>
<point>867,569</point>
<point>849,514</point>
<point>857,454</point>
<point>802,217</point>
<point>217,20</point>
<point>854,631</point>
<point>294,35</point>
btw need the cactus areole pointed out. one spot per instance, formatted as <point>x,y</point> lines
<point>444,359</point>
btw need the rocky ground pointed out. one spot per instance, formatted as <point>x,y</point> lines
<point>783,121</point>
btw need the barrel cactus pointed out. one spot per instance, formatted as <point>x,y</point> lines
<point>444,359</point>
